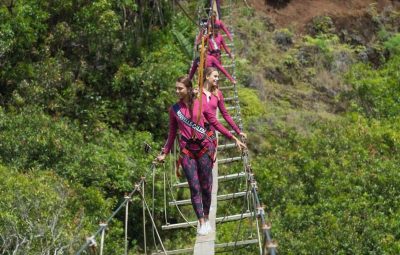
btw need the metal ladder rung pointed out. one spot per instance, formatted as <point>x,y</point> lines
<point>221,178</point>
<point>232,34</point>
<point>224,79</point>
<point>235,118</point>
<point>219,245</point>
<point>173,252</point>
<point>226,56</point>
<point>217,220</point>
<point>232,107</point>
<point>219,198</point>
<point>227,87</point>
<point>238,243</point>
<point>230,131</point>
<point>226,146</point>
<point>228,160</point>
<point>228,99</point>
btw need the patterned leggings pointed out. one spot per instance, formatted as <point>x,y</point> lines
<point>198,172</point>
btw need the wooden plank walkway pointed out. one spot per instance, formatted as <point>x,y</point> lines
<point>205,244</point>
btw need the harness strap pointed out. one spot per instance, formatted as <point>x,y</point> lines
<point>197,155</point>
<point>194,127</point>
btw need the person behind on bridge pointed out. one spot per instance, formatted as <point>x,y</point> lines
<point>218,4</point>
<point>215,99</point>
<point>217,23</point>
<point>211,61</point>
<point>197,147</point>
<point>216,42</point>
<point>213,22</point>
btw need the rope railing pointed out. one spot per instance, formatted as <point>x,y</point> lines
<point>91,241</point>
<point>268,242</point>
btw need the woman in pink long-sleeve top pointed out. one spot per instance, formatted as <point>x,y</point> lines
<point>197,147</point>
<point>217,23</point>
<point>215,99</point>
<point>211,61</point>
<point>215,43</point>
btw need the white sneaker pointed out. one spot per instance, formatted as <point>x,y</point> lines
<point>208,226</point>
<point>202,230</point>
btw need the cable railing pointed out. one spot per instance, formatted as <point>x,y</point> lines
<point>251,206</point>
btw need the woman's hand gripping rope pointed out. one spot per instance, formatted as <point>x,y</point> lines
<point>239,144</point>
<point>160,158</point>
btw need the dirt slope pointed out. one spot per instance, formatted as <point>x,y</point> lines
<point>297,13</point>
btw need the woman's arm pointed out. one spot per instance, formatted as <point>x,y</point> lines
<point>218,126</point>
<point>217,64</point>
<point>223,44</point>
<point>173,127</point>
<point>210,117</point>
<point>222,25</point>
<point>193,68</point>
<point>225,114</point>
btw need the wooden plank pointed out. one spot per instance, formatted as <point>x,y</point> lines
<point>173,252</point>
<point>222,178</point>
<point>238,243</point>
<point>220,246</point>
<point>229,160</point>
<point>219,198</point>
<point>218,220</point>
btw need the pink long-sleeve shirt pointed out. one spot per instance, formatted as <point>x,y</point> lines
<point>211,61</point>
<point>216,43</point>
<point>215,103</point>
<point>218,23</point>
<point>176,124</point>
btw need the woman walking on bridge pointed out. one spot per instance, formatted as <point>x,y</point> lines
<point>197,147</point>
<point>215,99</point>
<point>211,61</point>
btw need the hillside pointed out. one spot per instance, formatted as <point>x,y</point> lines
<point>326,143</point>
<point>296,14</point>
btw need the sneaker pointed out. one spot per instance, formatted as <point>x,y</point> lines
<point>202,230</point>
<point>208,227</point>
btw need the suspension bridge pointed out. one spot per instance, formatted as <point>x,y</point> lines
<point>234,186</point>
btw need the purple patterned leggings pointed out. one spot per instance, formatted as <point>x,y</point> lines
<point>198,172</point>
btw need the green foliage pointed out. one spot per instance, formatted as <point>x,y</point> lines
<point>251,106</point>
<point>110,161</point>
<point>332,189</point>
<point>326,150</point>
<point>83,82</point>
<point>393,45</point>
<point>323,42</point>
<point>322,25</point>
<point>65,56</point>
<point>376,92</point>
<point>41,213</point>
